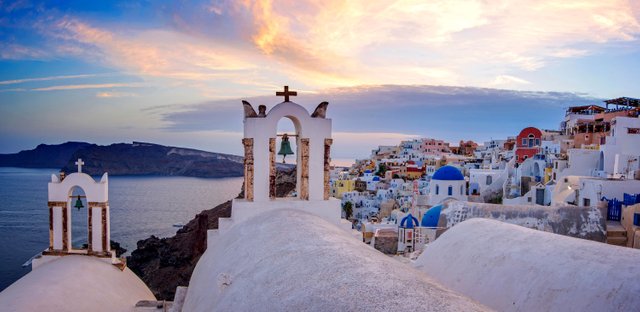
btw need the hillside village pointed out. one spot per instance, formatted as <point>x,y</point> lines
<point>590,161</point>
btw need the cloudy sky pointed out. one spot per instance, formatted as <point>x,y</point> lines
<point>174,72</point>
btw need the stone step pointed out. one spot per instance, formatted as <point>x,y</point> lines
<point>178,299</point>
<point>616,233</point>
<point>618,241</point>
<point>150,305</point>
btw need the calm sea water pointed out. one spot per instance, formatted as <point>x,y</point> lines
<point>140,207</point>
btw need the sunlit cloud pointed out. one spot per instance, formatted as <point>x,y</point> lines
<point>20,52</point>
<point>568,53</point>
<point>89,86</point>
<point>508,80</point>
<point>25,80</point>
<point>157,53</point>
<point>115,94</point>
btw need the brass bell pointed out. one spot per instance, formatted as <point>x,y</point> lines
<point>285,147</point>
<point>79,203</point>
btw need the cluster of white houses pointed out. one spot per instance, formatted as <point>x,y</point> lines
<point>593,160</point>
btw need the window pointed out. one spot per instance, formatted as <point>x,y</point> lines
<point>537,142</point>
<point>437,189</point>
<point>524,142</point>
<point>586,202</point>
<point>489,179</point>
<point>450,190</point>
<point>461,190</point>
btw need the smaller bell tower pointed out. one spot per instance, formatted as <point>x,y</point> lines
<point>62,201</point>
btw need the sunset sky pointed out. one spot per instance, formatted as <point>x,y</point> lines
<point>173,72</point>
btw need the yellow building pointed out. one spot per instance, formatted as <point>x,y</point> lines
<point>547,174</point>
<point>341,186</point>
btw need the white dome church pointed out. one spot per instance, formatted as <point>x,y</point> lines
<point>447,182</point>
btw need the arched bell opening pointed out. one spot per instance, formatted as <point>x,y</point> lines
<point>78,219</point>
<point>285,153</point>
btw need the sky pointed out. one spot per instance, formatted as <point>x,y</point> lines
<point>174,72</point>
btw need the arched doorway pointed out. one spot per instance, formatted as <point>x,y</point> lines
<point>601,161</point>
<point>79,219</point>
<point>537,172</point>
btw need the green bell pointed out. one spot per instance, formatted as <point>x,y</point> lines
<point>285,147</point>
<point>79,203</point>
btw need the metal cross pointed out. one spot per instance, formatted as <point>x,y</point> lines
<point>286,93</point>
<point>80,163</point>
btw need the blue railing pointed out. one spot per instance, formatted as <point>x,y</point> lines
<point>614,209</point>
<point>631,199</point>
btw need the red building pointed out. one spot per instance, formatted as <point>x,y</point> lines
<point>528,143</point>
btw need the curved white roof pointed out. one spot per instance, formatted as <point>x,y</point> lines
<point>75,283</point>
<point>289,260</point>
<point>513,268</point>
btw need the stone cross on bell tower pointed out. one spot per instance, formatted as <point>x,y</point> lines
<point>286,93</point>
<point>80,163</point>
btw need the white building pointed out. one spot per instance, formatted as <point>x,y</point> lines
<point>480,180</point>
<point>619,156</point>
<point>447,182</point>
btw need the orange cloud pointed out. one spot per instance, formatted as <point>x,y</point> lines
<point>329,43</point>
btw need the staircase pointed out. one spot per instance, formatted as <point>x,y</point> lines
<point>616,234</point>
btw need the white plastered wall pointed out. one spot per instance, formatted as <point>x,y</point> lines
<point>622,143</point>
<point>443,190</point>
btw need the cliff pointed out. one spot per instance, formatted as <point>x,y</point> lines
<point>43,156</point>
<point>166,263</point>
<point>128,159</point>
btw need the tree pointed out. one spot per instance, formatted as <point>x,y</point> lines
<point>348,209</point>
<point>381,170</point>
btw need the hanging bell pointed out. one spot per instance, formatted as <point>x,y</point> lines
<point>285,147</point>
<point>79,203</point>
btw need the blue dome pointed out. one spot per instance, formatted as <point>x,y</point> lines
<point>367,171</point>
<point>376,178</point>
<point>409,222</point>
<point>448,173</point>
<point>431,217</point>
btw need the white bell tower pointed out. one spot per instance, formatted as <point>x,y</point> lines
<point>60,206</point>
<point>313,142</point>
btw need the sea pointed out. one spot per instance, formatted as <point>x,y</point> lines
<point>140,207</point>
